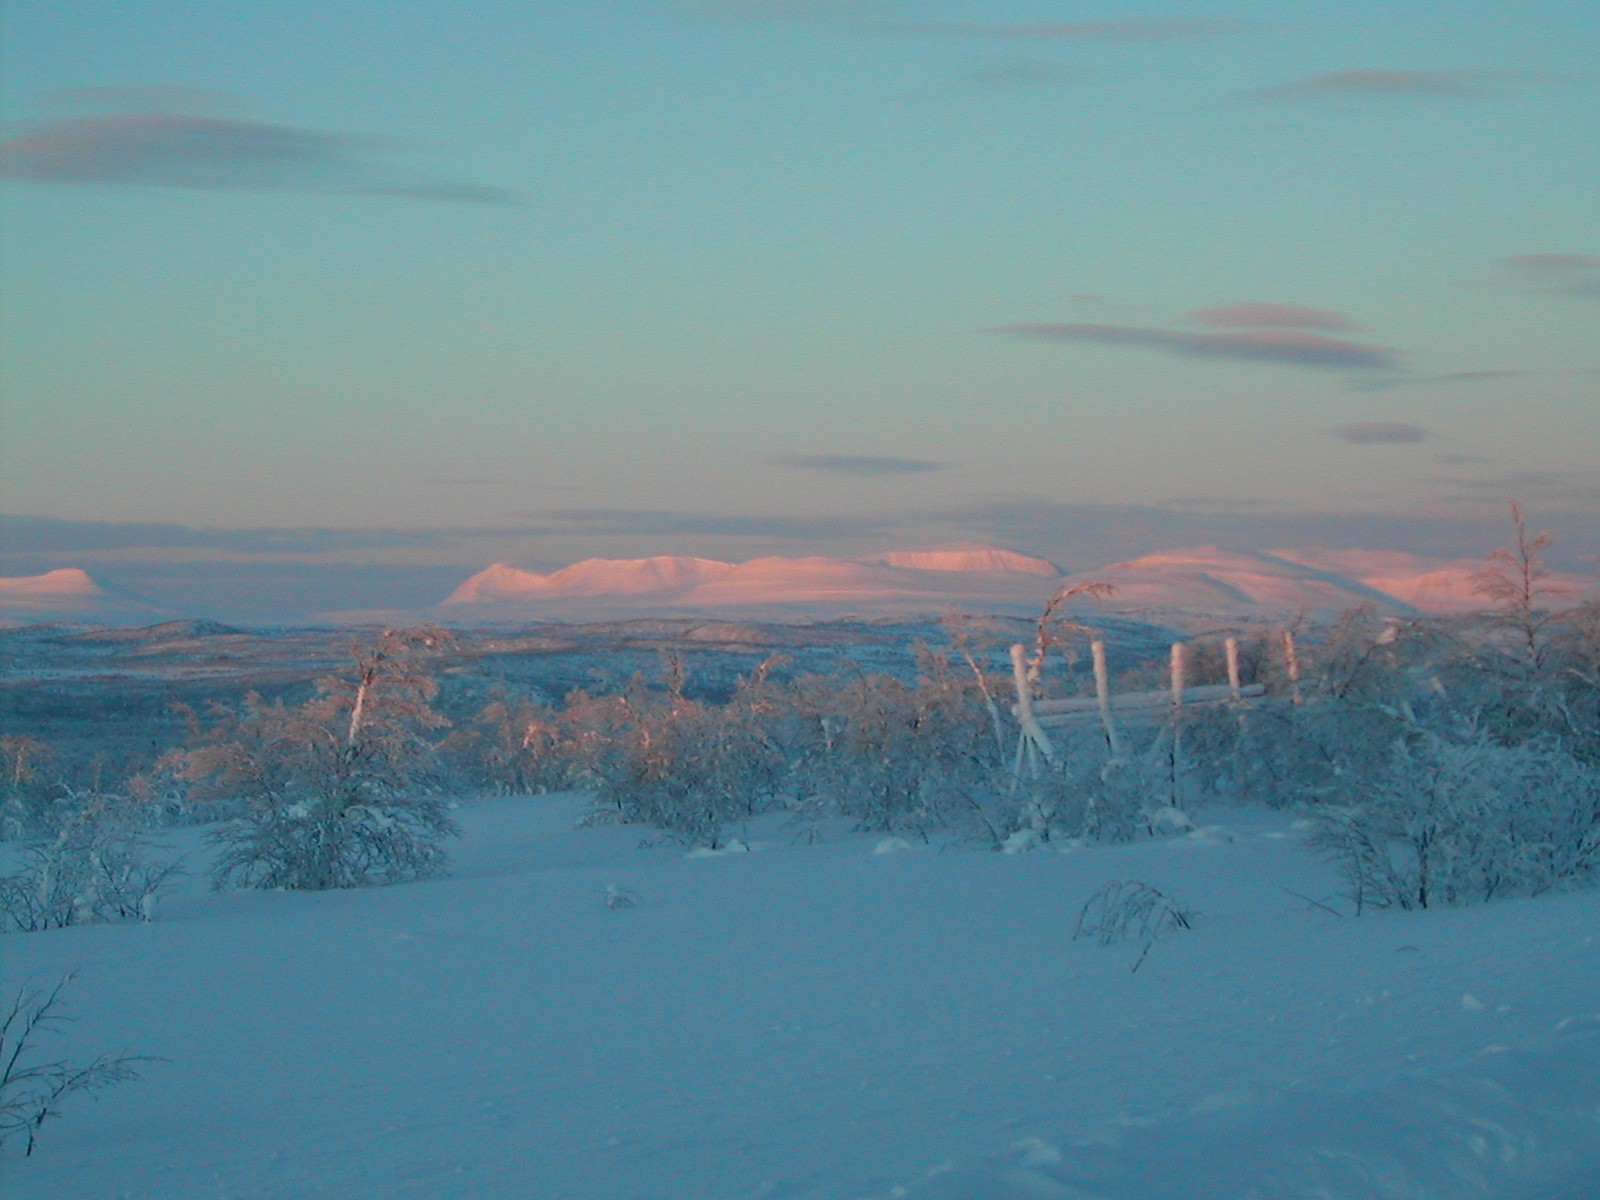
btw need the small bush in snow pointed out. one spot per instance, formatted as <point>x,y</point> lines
<point>97,869</point>
<point>1130,911</point>
<point>33,1088</point>
<point>1450,822</point>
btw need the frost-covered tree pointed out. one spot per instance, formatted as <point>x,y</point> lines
<point>680,765</point>
<point>512,746</point>
<point>25,798</point>
<point>99,866</point>
<point>1447,821</point>
<point>338,791</point>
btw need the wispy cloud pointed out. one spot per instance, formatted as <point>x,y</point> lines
<point>1551,488</point>
<point>859,464</point>
<point>202,151</point>
<point>1561,274</point>
<point>1279,347</point>
<point>1379,433</point>
<point>1444,378</point>
<point>1169,29</point>
<point>594,522</point>
<point>28,535</point>
<point>1255,315</point>
<point>1378,84</point>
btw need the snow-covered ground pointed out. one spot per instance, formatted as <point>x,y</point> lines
<point>826,1021</point>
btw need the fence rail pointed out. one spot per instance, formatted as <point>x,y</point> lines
<point>1165,706</point>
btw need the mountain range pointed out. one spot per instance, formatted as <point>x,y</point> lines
<point>1202,581</point>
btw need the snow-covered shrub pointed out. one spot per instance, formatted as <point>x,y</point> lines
<point>513,746</point>
<point>1448,822</point>
<point>1085,795</point>
<point>895,757</point>
<point>682,766</point>
<point>338,791</point>
<point>34,1087</point>
<point>97,868</point>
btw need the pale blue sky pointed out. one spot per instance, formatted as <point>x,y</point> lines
<point>735,277</point>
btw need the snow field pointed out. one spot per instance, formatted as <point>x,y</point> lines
<point>822,1022</point>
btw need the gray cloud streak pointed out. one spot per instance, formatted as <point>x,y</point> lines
<point>864,465</point>
<point>202,152</point>
<point>1279,347</point>
<point>1560,274</point>
<point>25,535</point>
<point>1380,433</point>
<point>1172,29</point>
<point>1258,315</point>
<point>1444,377</point>
<point>1369,84</point>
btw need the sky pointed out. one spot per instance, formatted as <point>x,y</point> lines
<point>425,285</point>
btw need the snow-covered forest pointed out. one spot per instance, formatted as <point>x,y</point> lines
<point>736,910</point>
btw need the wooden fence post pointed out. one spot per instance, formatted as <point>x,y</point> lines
<point>1291,663</point>
<point>1177,723</point>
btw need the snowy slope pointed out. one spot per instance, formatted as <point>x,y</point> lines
<point>1233,583</point>
<point>815,1022</point>
<point>1434,585</point>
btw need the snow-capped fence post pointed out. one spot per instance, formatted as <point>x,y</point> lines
<point>1168,709</point>
<point>1176,671</point>
<point>1035,741</point>
<point>1102,694</point>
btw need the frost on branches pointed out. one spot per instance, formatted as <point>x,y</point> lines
<point>338,791</point>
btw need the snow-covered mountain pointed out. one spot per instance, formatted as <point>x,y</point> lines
<point>658,576</point>
<point>1233,583</point>
<point>914,579</point>
<point>1435,585</point>
<point>70,594</point>
<point>969,558</point>
<point>1203,580</point>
